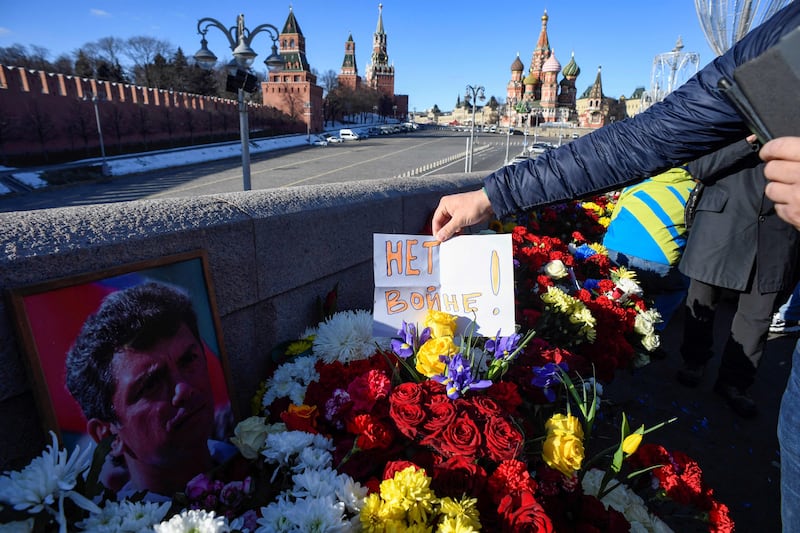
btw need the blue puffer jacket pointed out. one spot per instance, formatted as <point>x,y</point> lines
<point>693,120</point>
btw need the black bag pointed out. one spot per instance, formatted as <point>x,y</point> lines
<point>691,204</point>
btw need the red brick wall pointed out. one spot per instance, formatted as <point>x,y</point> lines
<point>46,117</point>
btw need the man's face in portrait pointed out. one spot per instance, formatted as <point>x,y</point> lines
<point>163,399</point>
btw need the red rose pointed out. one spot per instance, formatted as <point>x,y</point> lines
<point>392,467</point>
<point>408,393</point>
<point>407,417</point>
<point>372,433</point>
<point>301,418</point>
<point>484,407</point>
<point>441,413</point>
<point>503,440</point>
<point>457,476</point>
<point>521,513</point>
<point>462,437</point>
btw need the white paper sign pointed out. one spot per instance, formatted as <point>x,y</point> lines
<point>470,276</point>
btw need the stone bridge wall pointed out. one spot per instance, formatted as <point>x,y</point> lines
<point>271,254</point>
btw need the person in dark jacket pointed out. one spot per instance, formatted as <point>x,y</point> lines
<point>692,121</point>
<point>737,242</point>
<point>783,172</point>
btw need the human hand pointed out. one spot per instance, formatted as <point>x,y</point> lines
<point>456,211</point>
<point>783,172</point>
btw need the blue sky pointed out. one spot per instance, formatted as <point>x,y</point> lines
<point>436,46</point>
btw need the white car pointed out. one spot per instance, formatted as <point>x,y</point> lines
<point>334,139</point>
<point>318,141</point>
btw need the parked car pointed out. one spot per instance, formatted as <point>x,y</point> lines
<point>349,135</point>
<point>332,138</point>
<point>575,135</point>
<point>539,148</point>
<point>318,140</point>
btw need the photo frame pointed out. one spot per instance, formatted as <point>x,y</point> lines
<point>48,317</point>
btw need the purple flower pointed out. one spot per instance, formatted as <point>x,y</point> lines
<point>199,486</point>
<point>457,378</point>
<point>408,343</point>
<point>502,347</point>
<point>548,376</point>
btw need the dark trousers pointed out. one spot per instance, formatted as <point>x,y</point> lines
<point>745,343</point>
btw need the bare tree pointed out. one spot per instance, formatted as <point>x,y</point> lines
<point>329,80</point>
<point>142,51</point>
<point>81,123</point>
<point>41,126</point>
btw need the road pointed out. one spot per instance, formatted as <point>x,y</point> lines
<point>426,152</point>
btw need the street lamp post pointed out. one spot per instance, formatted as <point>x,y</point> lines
<point>473,93</point>
<point>104,170</point>
<point>307,106</point>
<point>239,39</point>
<point>509,107</point>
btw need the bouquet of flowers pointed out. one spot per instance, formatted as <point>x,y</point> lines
<point>430,430</point>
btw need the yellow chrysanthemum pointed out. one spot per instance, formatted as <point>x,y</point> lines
<point>464,512</point>
<point>300,346</point>
<point>599,248</point>
<point>376,517</point>
<point>458,524</point>
<point>410,491</point>
<point>623,273</point>
<point>604,221</point>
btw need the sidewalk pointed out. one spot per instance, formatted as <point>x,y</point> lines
<point>739,458</point>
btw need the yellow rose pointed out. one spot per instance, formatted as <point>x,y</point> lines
<point>428,363</point>
<point>563,451</point>
<point>442,324</point>
<point>631,443</point>
<point>250,436</point>
<point>564,424</point>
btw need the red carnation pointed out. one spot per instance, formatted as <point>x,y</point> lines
<point>372,433</point>
<point>506,394</point>
<point>510,476</point>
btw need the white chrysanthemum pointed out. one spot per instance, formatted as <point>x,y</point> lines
<point>284,448</point>
<point>309,332</point>
<point>345,337</point>
<point>194,521</point>
<point>126,516</point>
<point>318,514</point>
<point>47,480</point>
<point>273,517</point>
<point>351,493</point>
<point>314,483</point>
<point>313,458</point>
<point>627,502</point>
<point>291,380</point>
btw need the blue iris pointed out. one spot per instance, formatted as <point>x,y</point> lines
<point>457,377</point>
<point>547,377</point>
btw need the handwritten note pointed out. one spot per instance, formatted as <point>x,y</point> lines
<point>470,276</point>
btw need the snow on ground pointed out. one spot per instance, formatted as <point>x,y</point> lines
<point>122,165</point>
